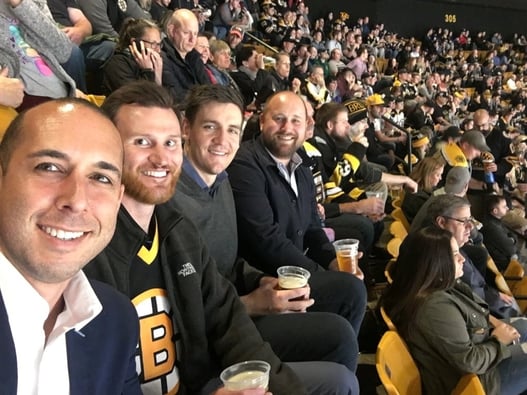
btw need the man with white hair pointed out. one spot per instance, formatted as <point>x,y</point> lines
<point>182,64</point>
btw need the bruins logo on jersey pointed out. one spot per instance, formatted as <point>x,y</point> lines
<point>156,353</point>
<point>123,5</point>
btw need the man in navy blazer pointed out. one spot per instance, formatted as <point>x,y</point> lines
<point>60,190</point>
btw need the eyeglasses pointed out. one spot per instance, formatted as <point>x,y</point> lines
<point>465,222</point>
<point>154,44</point>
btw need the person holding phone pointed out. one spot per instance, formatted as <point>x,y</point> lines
<point>137,56</point>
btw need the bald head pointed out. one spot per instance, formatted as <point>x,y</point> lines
<point>182,31</point>
<point>54,115</point>
<point>481,119</point>
<point>283,125</point>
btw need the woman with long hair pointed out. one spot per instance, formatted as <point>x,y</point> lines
<point>427,174</point>
<point>137,55</point>
<point>446,326</point>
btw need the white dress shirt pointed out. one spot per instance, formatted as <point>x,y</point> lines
<point>43,365</point>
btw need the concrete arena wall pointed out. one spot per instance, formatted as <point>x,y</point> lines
<point>414,17</point>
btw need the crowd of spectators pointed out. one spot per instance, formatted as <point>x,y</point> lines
<point>382,111</point>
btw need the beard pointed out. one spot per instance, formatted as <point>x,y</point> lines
<point>134,188</point>
<point>279,149</point>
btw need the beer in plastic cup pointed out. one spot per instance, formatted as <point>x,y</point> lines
<point>246,375</point>
<point>292,277</point>
<point>347,254</point>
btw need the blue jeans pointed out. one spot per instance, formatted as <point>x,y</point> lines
<point>520,323</point>
<point>220,32</point>
<point>513,371</point>
<point>96,53</point>
<point>76,68</point>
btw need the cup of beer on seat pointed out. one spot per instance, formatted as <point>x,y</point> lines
<point>246,375</point>
<point>347,254</point>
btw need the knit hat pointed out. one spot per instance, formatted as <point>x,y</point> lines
<point>357,110</point>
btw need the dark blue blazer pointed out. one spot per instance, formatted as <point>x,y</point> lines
<point>275,226</point>
<point>100,361</point>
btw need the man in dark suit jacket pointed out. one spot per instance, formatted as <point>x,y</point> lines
<point>60,188</point>
<point>278,223</point>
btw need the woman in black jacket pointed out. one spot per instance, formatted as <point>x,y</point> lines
<point>137,55</point>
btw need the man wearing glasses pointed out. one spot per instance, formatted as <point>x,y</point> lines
<point>453,214</point>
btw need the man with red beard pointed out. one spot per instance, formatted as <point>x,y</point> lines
<point>192,324</point>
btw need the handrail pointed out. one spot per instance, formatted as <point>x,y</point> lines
<point>261,42</point>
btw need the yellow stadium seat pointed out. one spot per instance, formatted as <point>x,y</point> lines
<point>513,273</point>
<point>398,215</point>
<point>396,368</point>
<point>7,114</point>
<point>469,384</point>
<point>397,229</point>
<point>387,320</point>
<point>399,374</point>
<point>393,246</point>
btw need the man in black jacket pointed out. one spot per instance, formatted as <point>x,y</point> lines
<point>500,241</point>
<point>182,65</point>
<point>274,194</point>
<point>251,77</point>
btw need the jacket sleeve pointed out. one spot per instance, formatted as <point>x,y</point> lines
<point>121,70</point>
<point>234,336</point>
<point>452,340</point>
<point>247,278</point>
<point>499,243</point>
<point>169,77</point>
<point>43,31</point>
<point>257,228</point>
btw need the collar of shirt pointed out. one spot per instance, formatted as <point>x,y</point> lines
<point>252,74</point>
<point>191,171</point>
<point>288,172</point>
<point>43,364</point>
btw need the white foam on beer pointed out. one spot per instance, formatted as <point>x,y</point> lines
<point>292,282</point>
<point>248,379</point>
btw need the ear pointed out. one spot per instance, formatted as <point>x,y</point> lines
<point>441,221</point>
<point>170,29</point>
<point>329,125</point>
<point>185,130</point>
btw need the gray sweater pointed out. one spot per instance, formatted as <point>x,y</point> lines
<point>40,33</point>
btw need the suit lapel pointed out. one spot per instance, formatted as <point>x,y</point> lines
<point>8,363</point>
